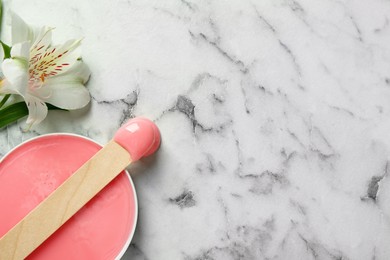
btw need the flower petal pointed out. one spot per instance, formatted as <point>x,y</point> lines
<point>79,73</point>
<point>21,32</point>
<point>42,42</point>
<point>62,57</point>
<point>69,95</point>
<point>44,36</point>
<point>16,77</point>
<point>55,60</point>
<point>21,50</point>
<point>37,110</point>
<point>73,52</point>
<point>7,88</point>
<point>67,90</point>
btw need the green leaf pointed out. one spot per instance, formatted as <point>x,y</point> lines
<point>53,107</point>
<point>5,98</point>
<point>1,14</point>
<point>7,49</point>
<point>14,112</point>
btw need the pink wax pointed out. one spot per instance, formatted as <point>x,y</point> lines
<point>102,229</point>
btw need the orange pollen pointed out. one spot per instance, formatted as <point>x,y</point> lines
<point>42,77</point>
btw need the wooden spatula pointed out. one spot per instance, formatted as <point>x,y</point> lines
<point>137,138</point>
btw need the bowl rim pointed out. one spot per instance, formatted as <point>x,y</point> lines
<point>132,231</point>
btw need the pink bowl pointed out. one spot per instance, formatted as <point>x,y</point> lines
<point>102,229</point>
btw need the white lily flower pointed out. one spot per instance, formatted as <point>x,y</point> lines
<point>40,72</point>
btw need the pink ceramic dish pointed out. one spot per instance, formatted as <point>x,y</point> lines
<point>102,229</point>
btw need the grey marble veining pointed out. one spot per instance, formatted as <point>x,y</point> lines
<point>275,118</point>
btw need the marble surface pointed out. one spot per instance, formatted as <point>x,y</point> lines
<point>275,118</point>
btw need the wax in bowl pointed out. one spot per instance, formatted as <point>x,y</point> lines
<point>102,229</point>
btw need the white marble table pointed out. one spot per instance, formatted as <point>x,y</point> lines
<point>275,117</point>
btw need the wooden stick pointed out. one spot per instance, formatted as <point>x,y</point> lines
<point>64,202</point>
